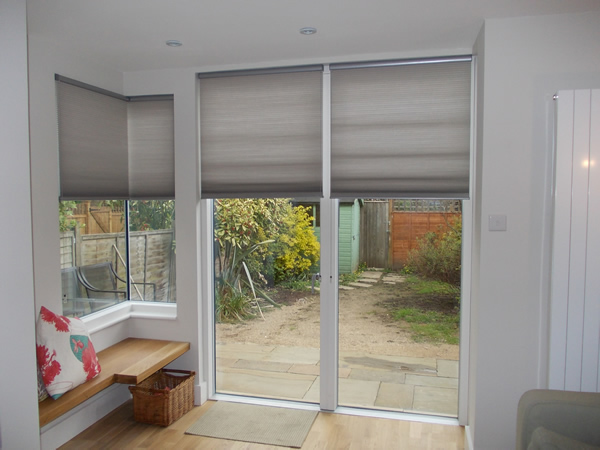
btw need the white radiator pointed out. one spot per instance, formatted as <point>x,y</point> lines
<point>574,362</point>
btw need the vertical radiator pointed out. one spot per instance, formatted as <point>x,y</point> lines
<point>574,362</point>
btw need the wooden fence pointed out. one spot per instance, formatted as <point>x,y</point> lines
<point>408,227</point>
<point>98,219</point>
<point>374,233</point>
<point>152,258</point>
<point>387,235</point>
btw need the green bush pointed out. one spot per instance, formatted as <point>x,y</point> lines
<point>232,305</point>
<point>65,215</point>
<point>242,223</point>
<point>299,247</point>
<point>438,255</point>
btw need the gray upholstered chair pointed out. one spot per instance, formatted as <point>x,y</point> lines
<point>553,420</point>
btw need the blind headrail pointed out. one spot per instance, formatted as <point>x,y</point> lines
<point>265,71</point>
<point>96,89</point>
<point>400,62</point>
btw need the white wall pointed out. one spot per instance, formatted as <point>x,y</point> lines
<point>44,62</point>
<point>522,62</point>
<point>18,399</point>
<point>525,61</point>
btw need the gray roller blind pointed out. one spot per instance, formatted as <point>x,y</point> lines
<point>261,135</point>
<point>151,155</point>
<point>111,147</point>
<point>401,131</point>
<point>92,132</point>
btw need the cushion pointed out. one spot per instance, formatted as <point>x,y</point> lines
<point>65,352</point>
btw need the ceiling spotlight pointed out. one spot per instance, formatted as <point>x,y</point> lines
<point>308,31</point>
<point>173,43</point>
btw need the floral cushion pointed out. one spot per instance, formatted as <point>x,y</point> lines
<point>65,353</point>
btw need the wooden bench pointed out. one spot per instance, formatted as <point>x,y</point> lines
<point>127,362</point>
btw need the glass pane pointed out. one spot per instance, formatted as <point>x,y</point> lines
<point>399,307</point>
<point>266,298</point>
<point>92,252</point>
<point>152,250</point>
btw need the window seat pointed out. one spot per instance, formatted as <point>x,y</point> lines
<point>127,362</point>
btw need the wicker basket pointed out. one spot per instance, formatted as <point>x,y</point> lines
<point>164,397</point>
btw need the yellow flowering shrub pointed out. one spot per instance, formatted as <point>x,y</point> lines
<point>300,247</point>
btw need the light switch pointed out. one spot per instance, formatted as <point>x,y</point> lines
<point>497,222</point>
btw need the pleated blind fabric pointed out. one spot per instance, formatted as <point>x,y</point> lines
<point>113,148</point>
<point>151,154</point>
<point>261,135</point>
<point>92,132</point>
<point>401,131</point>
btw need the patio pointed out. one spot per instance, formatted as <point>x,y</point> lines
<point>407,384</point>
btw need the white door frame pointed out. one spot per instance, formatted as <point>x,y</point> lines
<point>329,303</point>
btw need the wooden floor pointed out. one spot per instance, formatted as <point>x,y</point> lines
<point>118,430</point>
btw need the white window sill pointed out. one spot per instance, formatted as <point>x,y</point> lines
<point>129,310</point>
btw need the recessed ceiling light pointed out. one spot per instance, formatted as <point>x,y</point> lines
<point>308,30</point>
<point>173,43</point>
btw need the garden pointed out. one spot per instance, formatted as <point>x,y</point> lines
<point>266,252</point>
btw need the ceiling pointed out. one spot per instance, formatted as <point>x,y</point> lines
<point>130,35</point>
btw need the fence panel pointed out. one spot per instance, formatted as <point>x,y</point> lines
<point>408,227</point>
<point>152,258</point>
<point>374,233</point>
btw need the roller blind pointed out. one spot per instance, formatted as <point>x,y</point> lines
<point>151,154</point>
<point>113,147</point>
<point>261,135</point>
<point>401,131</point>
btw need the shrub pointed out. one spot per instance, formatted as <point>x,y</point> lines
<point>438,255</point>
<point>242,223</point>
<point>299,247</point>
<point>65,215</point>
<point>232,305</point>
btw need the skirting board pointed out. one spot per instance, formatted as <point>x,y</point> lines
<point>200,393</point>
<point>468,439</point>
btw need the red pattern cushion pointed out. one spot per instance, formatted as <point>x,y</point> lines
<point>65,353</point>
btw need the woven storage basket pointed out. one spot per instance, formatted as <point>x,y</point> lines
<point>164,397</point>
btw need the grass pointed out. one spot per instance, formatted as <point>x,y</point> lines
<point>430,326</point>
<point>431,287</point>
<point>426,323</point>
<point>296,285</point>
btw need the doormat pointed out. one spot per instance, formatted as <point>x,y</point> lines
<point>253,423</point>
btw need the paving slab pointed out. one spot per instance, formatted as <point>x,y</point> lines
<point>294,355</point>
<point>351,392</point>
<point>397,396</point>
<point>268,366</point>
<point>312,369</point>
<point>367,280</point>
<point>345,288</point>
<point>225,353</point>
<point>371,274</point>
<point>389,282</point>
<point>289,386</point>
<point>447,368</point>
<point>245,348</point>
<point>225,362</point>
<point>360,285</point>
<point>377,375</point>
<point>421,380</point>
<point>424,366</point>
<point>436,400</point>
